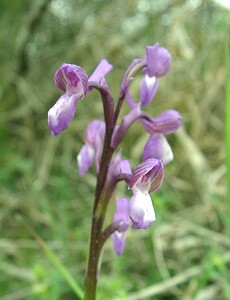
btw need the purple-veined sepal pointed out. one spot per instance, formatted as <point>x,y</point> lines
<point>71,79</point>
<point>167,122</point>
<point>147,176</point>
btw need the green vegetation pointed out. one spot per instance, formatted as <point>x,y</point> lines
<point>45,206</point>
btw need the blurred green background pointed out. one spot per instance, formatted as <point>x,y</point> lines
<point>186,254</point>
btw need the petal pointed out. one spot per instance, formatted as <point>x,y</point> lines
<point>60,115</point>
<point>130,100</point>
<point>93,129</point>
<point>164,62</point>
<point>158,147</point>
<point>94,136</point>
<point>101,70</point>
<point>149,86</point>
<point>141,211</point>
<point>158,60</point>
<point>72,79</point>
<point>167,122</point>
<point>125,167</point>
<point>98,144</point>
<point>152,56</point>
<point>118,239</point>
<point>85,159</point>
<point>113,172</point>
<point>114,168</point>
<point>148,176</point>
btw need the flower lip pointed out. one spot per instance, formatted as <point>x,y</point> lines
<point>71,79</point>
<point>61,114</point>
<point>118,239</point>
<point>141,211</point>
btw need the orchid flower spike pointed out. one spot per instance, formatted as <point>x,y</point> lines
<point>146,178</point>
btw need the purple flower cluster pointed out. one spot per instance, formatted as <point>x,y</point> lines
<point>148,175</point>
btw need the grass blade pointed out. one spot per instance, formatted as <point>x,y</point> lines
<point>61,268</point>
<point>227,127</point>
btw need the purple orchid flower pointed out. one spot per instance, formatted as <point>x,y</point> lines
<point>122,215</point>
<point>92,150</point>
<point>157,145</point>
<point>158,65</point>
<point>146,178</point>
<point>74,81</point>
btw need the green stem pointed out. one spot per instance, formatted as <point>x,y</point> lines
<point>227,127</point>
<point>91,275</point>
<point>102,193</point>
